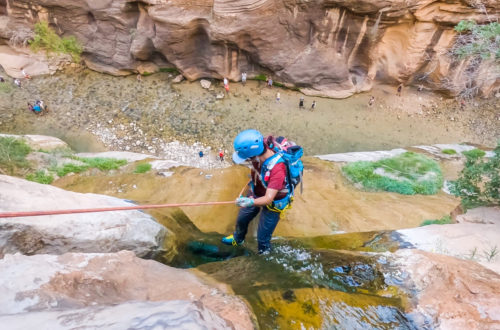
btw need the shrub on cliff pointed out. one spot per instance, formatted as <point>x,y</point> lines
<point>46,38</point>
<point>479,181</point>
<point>477,40</point>
<point>407,174</point>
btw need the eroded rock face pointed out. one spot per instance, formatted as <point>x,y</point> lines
<point>327,47</point>
<point>86,232</point>
<point>448,293</point>
<point>72,281</point>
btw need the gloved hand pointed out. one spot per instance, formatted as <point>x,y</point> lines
<point>244,201</point>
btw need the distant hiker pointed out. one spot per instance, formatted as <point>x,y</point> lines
<point>2,79</point>
<point>139,77</point>
<point>270,83</point>
<point>37,109</point>
<point>221,155</point>
<point>272,186</point>
<point>25,75</point>
<point>30,108</point>
<point>420,88</point>
<point>400,89</point>
<point>372,100</point>
<point>278,97</point>
<point>226,85</point>
<point>301,102</point>
<point>17,82</point>
<point>200,154</point>
<point>313,105</point>
<point>244,78</point>
<point>462,104</point>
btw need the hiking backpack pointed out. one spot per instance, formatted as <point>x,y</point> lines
<point>291,153</point>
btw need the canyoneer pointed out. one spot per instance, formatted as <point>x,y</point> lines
<point>275,172</point>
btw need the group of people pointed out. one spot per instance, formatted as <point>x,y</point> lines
<point>39,108</point>
<point>302,106</point>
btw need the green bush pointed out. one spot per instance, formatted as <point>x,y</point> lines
<point>145,73</point>
<point>142,168</point>
<point>443,221</point>
<point>13,154</point>
<point>40,177</point>
<point>479,180</point>
<point>260,77</point>
<point>449,151</point>
<point>104,164</point>
<point>45,38</point>
<point>410,173</point>
<point>477,40</point>
<point>474,153</point>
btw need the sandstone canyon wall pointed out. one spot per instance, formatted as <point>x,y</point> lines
<point>325,47</point>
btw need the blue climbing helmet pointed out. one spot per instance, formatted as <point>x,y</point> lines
<point>247,144</point>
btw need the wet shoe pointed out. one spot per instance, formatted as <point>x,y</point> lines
<point>229,240</point>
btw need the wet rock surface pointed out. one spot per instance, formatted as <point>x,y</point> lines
<point>85,232</point>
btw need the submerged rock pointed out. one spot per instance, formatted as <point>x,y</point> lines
<point>73,281</point>
<point>84,232</point>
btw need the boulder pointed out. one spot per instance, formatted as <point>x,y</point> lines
<point>75,280</point>
<point>205,83</point>
<point>447,293</point>
<point>178,79</point>
<point>43,142</point>
<point>132,315</point>
<point>84,232</point>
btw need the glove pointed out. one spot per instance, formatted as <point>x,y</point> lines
<point>244,201</point>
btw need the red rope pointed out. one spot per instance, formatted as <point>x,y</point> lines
<point>105,209</point>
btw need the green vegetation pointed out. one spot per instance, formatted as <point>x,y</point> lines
<point>40,177</point>
<point>474,153</point>
<point>407,174</point>
<point>479,181</point>
<point>5,87</point>
<point>145,74</point>
<point>443,221</point>
<point>449,151</point>
<point>477,40</point>
<point>104,164</point>
<point>13,154</point>
<point>170,70</point>
<point>260,77</point>
<point>45,38</point>
<point>143,168</point>
<point>70,168</point>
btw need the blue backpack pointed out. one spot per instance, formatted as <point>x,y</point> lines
<point>291,153</point>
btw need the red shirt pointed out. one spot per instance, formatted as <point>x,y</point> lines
<point>276,180</point>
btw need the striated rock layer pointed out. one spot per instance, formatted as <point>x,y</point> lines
<point>327,47</point>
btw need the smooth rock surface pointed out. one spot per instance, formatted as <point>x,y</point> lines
<point>477,237</point>
<point>448,293</point>
<point>175,314</point>
<point>75,280</point>
<point>84,232</point>
<point>128,156</point>
<point>370,156</point>
<point>43,142</point>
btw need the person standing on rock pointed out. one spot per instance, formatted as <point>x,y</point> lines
<point>371,101</point>
<point>270,82</point>
<point>313,105</point>
<point>17,82</point>
<point>139,77</point>
<point>244,78</point>
<point>2,79</point>
<point>301,102</point>
<point>278,97</point>
<point>200,154</point>
<point>268,195</point>
<point>221,155</point>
